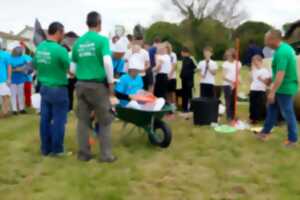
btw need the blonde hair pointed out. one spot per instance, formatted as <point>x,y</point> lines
<point>161,48</point>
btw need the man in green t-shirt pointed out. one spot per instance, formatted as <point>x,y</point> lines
<point>94,69</point>
<point>51,62</point>
<point>283,89</point>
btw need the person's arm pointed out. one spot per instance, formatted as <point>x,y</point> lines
<point>122,96</point>
<point>266,81</point>
<point>108,66</point>
<point>9,73</point>
<point>213,69</point>
<point>147,61</point>
<point>157,68</point>
<point>282,64</point>
<point>65,59</point>
<point>275,86</point>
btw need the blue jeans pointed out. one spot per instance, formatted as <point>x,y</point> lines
<point>284,104</point>
<point>54,110</point>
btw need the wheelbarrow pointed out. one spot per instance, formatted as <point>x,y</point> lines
<point>151,122</point>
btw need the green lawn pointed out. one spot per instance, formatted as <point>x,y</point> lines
<point>200,164</point>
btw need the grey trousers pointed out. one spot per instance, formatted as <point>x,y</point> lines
<point>94,97</point>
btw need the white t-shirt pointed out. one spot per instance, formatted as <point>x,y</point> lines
<point>166,65</point>
<point>256,84</point>
<point>174,62</point>
<point>139,58</point>
<point>230,71</point>
<point>209,78</point>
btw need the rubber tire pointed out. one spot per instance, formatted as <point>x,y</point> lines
<point>165,143</point>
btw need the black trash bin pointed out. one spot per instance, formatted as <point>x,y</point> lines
<point>206,110</point>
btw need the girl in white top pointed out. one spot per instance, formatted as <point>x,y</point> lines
<point>261,78</point>
<point>230,69</point>
<point>139,56</point>
<point>208,69</point>
<point>172,83</point>
<point>163,68</point>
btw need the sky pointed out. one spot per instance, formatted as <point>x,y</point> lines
<point>15,14</point>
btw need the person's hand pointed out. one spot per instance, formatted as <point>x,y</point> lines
<point>271,98</point>
<point>111,90</point>
<point>132,97</point>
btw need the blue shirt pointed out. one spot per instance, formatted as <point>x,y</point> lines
<point>119,65</point>
<point>4,62</point>
<point>129,86</point>
<point>18,62</point>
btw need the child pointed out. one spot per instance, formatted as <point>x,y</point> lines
<point>187,78</point>
<point>118,59</point>
<point>141,57</point>
<point>5,79</point>
<point>172,77</point>
<point>129,84</point>
<point>18,63</point>
<point>129,90</point>
<point>229,76</point>
<point>261,78</point>
<point>162,69</point>
<point>208,69</point>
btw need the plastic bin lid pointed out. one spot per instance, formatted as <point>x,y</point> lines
<point>225,129</point>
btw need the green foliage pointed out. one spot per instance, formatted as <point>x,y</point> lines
<point>251,31</point>
<point>167,32</point>
<point>195,34</point>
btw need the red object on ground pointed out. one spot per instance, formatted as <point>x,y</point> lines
<point>27,93</point>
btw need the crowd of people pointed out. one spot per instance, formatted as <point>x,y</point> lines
<point>128,68</point>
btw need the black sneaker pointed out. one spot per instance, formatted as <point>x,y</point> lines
<point>15,113</point>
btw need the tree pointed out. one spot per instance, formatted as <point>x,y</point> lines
<point>228,12</point>
<point>167,32</point>
<point>251,31</point>
<point>209,32</point>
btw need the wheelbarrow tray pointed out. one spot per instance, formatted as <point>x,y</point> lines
<point>141,118</point>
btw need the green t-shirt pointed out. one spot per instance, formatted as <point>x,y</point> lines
<point>52,63</point>
<point>88,53</point>
<point>285,60</point>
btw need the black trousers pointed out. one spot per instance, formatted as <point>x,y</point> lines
<point>258,105</point>
<point>71,88</point>
<point>207,90</point>
<point>161,86</point>
<point>187,94</point>
<point>229,101</point>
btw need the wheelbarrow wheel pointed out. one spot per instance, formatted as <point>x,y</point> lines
<point>162,135</point>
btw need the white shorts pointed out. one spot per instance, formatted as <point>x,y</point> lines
<point>4,90</point>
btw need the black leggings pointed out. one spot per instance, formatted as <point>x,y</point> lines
<point>161,86</point>
<point>207,90</point>
<point>229,100</point>
<point>258,105</point>
<point>187,94</point>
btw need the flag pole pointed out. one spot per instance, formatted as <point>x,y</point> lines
<point>237,78</point>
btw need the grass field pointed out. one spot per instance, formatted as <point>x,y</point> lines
<point>200,164</point>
